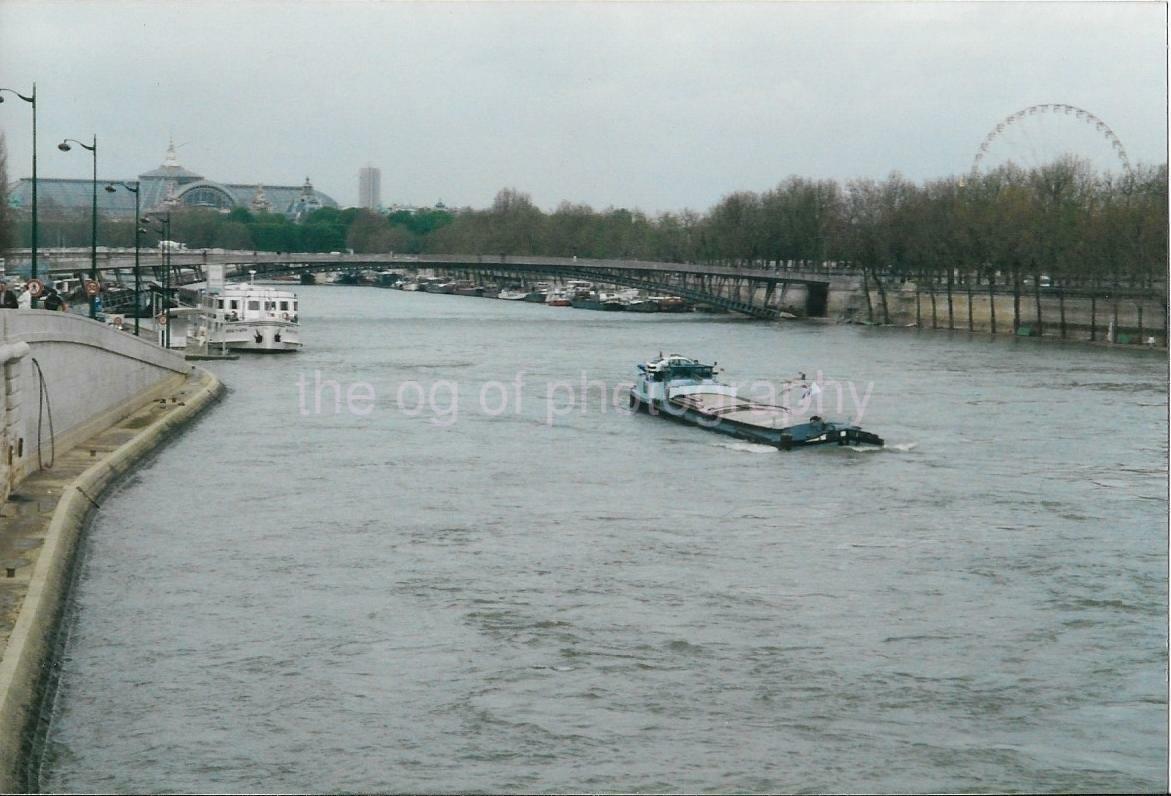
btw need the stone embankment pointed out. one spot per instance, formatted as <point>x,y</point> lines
<point>1128,317</point>
<point>82,403</point>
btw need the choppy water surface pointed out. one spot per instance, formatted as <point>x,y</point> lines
<point>288,600</point>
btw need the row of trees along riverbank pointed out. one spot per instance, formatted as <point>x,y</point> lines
<point>1060,225</point>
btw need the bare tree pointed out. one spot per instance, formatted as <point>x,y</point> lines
<point>6,221</point>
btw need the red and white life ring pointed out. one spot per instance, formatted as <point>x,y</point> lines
<point>161,318</point>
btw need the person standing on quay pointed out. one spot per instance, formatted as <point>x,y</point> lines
<point>8,299</point>
<point>53,301</point>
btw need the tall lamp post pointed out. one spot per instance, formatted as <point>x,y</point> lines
<point>93,246</point>
<point>137,233</point>
<point>165,231</point>
<point>32,100</point>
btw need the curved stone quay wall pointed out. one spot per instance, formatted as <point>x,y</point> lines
<point>67,377</point>
<point>82,403</point>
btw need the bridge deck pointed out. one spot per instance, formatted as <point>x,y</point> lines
<point>297,261</point>
<point>716,285</point>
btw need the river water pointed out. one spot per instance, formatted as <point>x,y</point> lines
<point>396,586</point>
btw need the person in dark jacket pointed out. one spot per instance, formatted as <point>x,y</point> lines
<point>53,300</point>
<point>8,298</point>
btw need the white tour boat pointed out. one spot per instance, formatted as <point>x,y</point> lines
<point>248,317</point>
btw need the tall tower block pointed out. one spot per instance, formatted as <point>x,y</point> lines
<point>370,187</point>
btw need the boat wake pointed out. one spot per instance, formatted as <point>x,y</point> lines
<point>902,447</point>
<point>746,447</point>
<point>751,447</point>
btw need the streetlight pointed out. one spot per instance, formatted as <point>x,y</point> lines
<point>93,246</point>
<point>165,231</point>
<point>32,100</point>
<point>137,232</point>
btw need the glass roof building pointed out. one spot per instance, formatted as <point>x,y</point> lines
<point>170,186</point>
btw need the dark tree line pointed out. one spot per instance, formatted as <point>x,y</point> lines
<point>1008,230</point>
<point>1061,225</point>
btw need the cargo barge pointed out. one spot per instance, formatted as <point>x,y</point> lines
<point>687,390</point>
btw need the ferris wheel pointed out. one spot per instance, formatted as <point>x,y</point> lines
<point>1040,134</point>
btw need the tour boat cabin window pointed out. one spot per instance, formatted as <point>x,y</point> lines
<point>253,305</point>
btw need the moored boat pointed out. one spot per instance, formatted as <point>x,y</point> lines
<point>539,293</point>
<point>613,302</point>
<point>467,289</point>
<point>558,298</point>
<point>687,390</point>
<point>249,317</point>
<point>351,278</point>
<point>586,301</point>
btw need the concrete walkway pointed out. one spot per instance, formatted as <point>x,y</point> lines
<point>40,526</point>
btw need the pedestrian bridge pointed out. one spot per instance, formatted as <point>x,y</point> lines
<point>761,293</point>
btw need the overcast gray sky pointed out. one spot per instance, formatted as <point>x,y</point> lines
<point>658,106</point>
